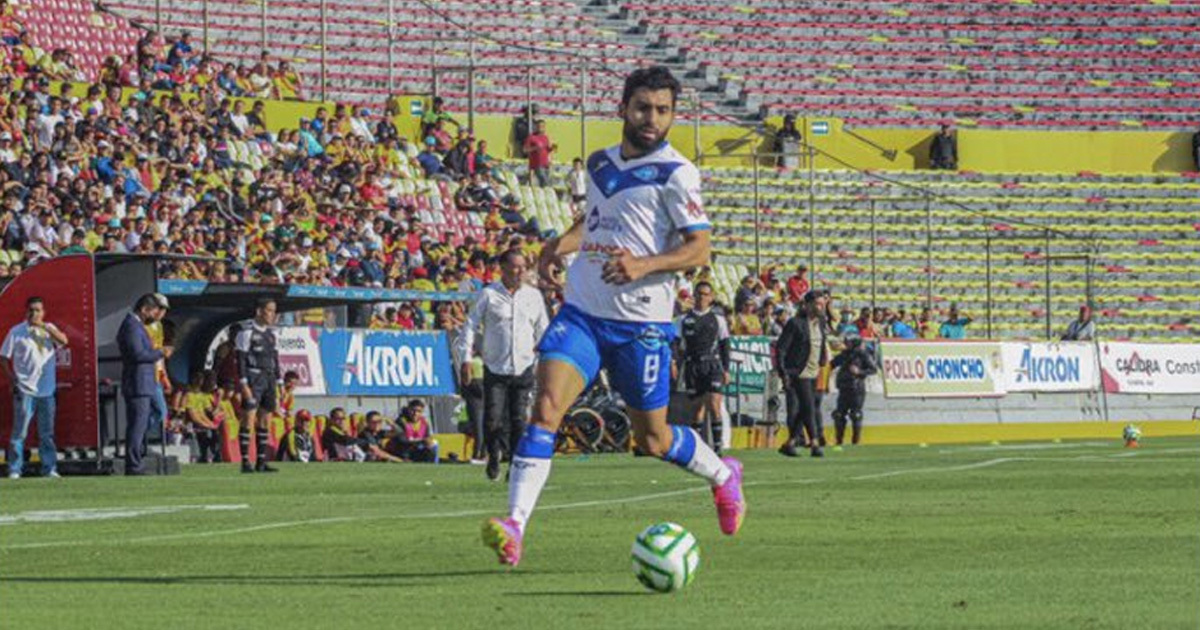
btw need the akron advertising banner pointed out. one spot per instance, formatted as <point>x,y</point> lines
<point>1150,368</point>
<point>386,363</point>
<point>1069,366</point>
<point>942,369</point>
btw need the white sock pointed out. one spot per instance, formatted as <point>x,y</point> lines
<point>706,463</point>
<point>689,452</point>
<point>527,476</point>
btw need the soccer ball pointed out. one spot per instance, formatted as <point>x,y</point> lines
<point>1131,433</point>
<point>665,557</point>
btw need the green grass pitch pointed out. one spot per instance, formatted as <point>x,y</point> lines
<point>1072,535</point>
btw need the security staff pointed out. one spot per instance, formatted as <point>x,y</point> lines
<point>704,349</point>
<point>258,368</point>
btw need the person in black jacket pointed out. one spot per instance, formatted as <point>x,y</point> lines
<point>943,153</point>
<point>1196,150</point>
<point>802,349</point>
<point>856,364</point>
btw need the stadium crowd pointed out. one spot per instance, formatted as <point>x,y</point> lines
<point>187,164</point>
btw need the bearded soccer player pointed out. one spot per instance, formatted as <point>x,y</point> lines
<point>644,222</point>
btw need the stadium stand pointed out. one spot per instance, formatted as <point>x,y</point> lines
<point>995,64</point>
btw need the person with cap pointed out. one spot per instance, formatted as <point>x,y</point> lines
<point>854,364</point>
<point>800,353</point>
<point>28,363</point>
<point>430,163</point>
<point>139,359</point>
<point>1083,328</point>
<point>511,317</point>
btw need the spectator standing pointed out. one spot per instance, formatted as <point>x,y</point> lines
<point>956,326</point>
<point>577,184</point>
<point>538,149</point>
<point>138,383</point>
<point>1083,328</point>
<point>511,317</point>
<point>943,152</point>
<point>29,364</point>
<point>800,352</point>
<point>522,125</point>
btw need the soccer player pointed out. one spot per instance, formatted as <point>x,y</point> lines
<point>644,222</point>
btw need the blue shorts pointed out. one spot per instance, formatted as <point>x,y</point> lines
<point>637,355</point>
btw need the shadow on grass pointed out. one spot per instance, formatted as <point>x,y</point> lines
<point>354,580</point>
<point>581,594</point>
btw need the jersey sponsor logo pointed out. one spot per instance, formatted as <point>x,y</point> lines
<point>694,209</point>
<point>596,221</point>
<point>648,173</point>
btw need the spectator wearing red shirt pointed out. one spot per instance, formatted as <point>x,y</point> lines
<point>797,285</point>
<point>538,149</point>
<point>865,325</point>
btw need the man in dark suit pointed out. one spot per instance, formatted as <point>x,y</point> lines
<point>138,384</point>
<point>799,354</point>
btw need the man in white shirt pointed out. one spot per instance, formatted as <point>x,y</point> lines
<point>28,365</point>
<point>45,124</point>
<point>511,317</point>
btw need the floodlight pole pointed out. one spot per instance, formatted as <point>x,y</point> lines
<point>757,231</point>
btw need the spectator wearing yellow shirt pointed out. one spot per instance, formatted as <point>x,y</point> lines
<point>287,82</point>
<point>199,403</point>
<point>746,321</point>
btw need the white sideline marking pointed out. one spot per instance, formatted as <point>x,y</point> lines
<point>104,514</point>
<point>567,506</point>
<point>1037,446</point>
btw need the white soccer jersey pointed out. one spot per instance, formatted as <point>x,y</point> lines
<point>641,205</point>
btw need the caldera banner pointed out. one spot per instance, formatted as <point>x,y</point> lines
<point>1150,368</point>
<point>942,369</point>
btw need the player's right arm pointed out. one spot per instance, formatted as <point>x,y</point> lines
<point>555,250</point>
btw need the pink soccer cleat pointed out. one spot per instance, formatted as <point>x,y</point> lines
<point>731,505</point>
<point>504,537</point>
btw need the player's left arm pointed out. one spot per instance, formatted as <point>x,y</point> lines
<point>681,196</point>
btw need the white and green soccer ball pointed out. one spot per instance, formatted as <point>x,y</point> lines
<point>1131,433</point>
<point>665,557</point>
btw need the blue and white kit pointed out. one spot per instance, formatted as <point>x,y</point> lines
<point>641,205</point>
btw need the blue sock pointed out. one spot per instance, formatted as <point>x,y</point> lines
<point>683,446</point>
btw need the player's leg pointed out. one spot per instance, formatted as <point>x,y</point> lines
<point>841,415</point>
<point>637,375</point>
<point>792,396</point>
<point>569,359</point>
<point>714,400</point>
